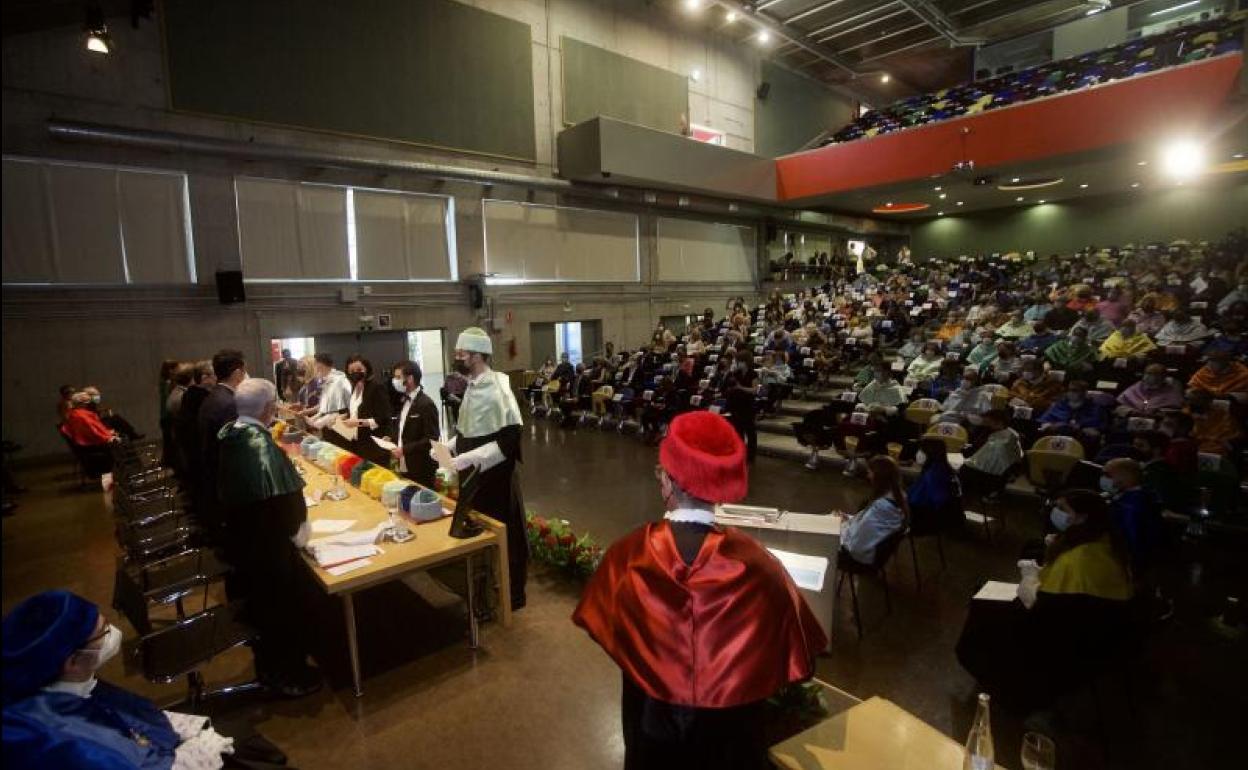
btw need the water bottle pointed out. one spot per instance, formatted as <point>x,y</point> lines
<point>979,754</point>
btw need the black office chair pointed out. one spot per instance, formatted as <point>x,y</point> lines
<point>168,580</point>
<point>847,566</point>
<point>184,647</point>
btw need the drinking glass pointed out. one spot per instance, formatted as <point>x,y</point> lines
<point>1038,752</point>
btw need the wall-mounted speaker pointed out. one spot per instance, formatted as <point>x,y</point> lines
<point>230,287</point>
<point>476,294</point>
<point>764,88</point>
<point>769,232</point>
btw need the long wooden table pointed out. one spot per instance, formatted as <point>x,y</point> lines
<point>433,546</point>
<point>871,735</point>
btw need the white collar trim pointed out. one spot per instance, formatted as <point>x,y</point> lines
<point>691,516</point>
<point>81,689</point>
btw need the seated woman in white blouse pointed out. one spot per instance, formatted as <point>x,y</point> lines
<point>886,513</point>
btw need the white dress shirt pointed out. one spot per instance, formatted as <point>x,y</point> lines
<point>409,399</point>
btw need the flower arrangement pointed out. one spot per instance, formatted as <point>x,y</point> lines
<point>553,542</point>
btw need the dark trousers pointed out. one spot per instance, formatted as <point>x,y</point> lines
<point>748,431</point>
<point>661,736</point>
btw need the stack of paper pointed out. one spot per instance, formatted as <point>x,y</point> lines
<point>807,571</point>
<point>345,546</point>
<point>996,591</point>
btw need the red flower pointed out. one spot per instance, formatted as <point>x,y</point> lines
<point>567,539</point>
<point>551,541</point>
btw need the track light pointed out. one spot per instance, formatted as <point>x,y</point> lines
<point>693,6</point>
<point>731,17</point>
<point>1182,159</point>
<point>98,40</point>
<point>764,37</point>
<point>884,78</point>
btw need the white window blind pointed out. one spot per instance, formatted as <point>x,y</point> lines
<point>690,250</point>
<point>292,230</point>
<point>402,236</point>
<point>76,223</point>
<point>532,242</point>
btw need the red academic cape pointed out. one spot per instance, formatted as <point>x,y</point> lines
<point>727,630</point>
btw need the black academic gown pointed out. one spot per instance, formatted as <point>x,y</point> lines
<point>498,496</point>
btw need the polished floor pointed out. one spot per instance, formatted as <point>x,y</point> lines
<point>541,695</point>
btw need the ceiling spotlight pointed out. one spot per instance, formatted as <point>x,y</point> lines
<point>884,78</point>
<point>1134,185</point>
<point>942,196</point>
<point>1238,156</point>
<point>1041,201</point>
<point>1083,186</point>
<point>1015,180</point>
<point>889,203</point>
<point>764,37</point>
<point>1142,163</point>
<point>959,203</point>
<point>1182,159</point>
<point>1019,199</point>
<point>693,6</point>
<point>940,213</point>
<point>98,39</point>
<point>938,188</point>
<point>731,17</point>
<point>695,74</point>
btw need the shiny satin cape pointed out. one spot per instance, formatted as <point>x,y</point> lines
<point>729,629</point>
<point>252,467</point>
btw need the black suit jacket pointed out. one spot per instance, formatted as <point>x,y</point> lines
<point>414,437</point>
<point>218,409</point>
<point>374,405</point>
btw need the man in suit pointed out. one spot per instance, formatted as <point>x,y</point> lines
<point>414,427</point>
<point>218,408</point>
<point>284,370</point>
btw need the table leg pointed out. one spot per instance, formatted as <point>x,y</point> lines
<point>353,647</point>
<point>473,631</point>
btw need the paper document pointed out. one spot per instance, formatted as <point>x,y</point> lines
<point>442,453</point>
<point>363,537</point>
<point>331,526</point>
<point>819,524</point>
<point>341,429</point>
<point>350,566</point>
<point>310,502</point>
<point>385,443</point>
<point>807,571</point>
<point>330,555</point>
<point>996,591</point>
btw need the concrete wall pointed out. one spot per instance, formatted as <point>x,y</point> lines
<point>1195,213</point>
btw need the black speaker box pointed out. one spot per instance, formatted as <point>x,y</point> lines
<point>769,232</point>
<point>230,287</point>
<point>764,88</point>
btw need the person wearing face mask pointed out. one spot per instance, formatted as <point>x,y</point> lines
<point>1154,393</point>
<point>927,365</point>
<point>1215,430</point>
<point>1070,613</point>
<point>487,441</point>
<point>1076,415</point>
<point>110,417</point>
<point>984,352</point>
<point>90,435</point>
<point>1231,339</point>
<point>935,498</point>
<point>1127,342</point>
<point>703,622</point>
<point>1038,341</point>
<point>968,401</point>
<point>414,427</point>
<point>1235,296</point>
<point>913,347</point>
<point>1097,328</point>
<point>261,495</point>
<point>1016,328</point>
<point>986,471</point>
<point>334,395</point>
<point>883,391</point>
<point>59,714</point>
<point>1148,319</point>
<point>1073,354</point>
<point>1173,489</point>
<point>186,426</point>
<point>1181,329</point>
<point>368,411</point>
<point>1221,375</point>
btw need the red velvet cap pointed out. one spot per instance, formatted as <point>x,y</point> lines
<point>705,457</point>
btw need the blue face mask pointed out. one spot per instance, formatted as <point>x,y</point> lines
<point>1108,486</point>
<point>1061,519</point>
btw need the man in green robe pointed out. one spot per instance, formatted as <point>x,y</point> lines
<point>1072,354</point>
<point>266,523</point>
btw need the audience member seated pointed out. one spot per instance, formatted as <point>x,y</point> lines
<point>1181,329</point>
<point>1017,327</point>
<point>913,347</point>
<point>1097,328</point>
<point>1127,343</point>
<point>1076,415</point>
<point>1073,612</point>
<point>1113,308</point>
<point>885,513</point>
<point>1182,450</point>
<point>1221,376</point>
<point>927,365</point>
<point>1147,317</point>
<point>90,436</point>
<point>1154,393</point>
<point>986,472</point>
<point>1173,490</point>
<point>968,402</point>
<point>109,417</point>
<point>1072,354</point>
<point>935,498</point>
<point>984,352</point>
<point>1038,341</point>
<point>58,714</point>
<point>883,391</point>
<point>1214,428</point>
<point>1232,339</point>
<point>1035,388</point>
<point>1037,310</point>
<point>1007,364</point>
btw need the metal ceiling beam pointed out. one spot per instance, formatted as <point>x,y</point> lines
<point>973,7</point>
<point>875,40</point>
<point>811,11</point>
<point>938,21</point>
<point>896,51</point>
<point>794,36</point>
<point>858,16</point>
<point>864,25</point>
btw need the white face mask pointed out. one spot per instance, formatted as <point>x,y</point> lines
<point>1060,518</point>
<point>108,649</point>
<point>398,384</point>
<point>920,458</point>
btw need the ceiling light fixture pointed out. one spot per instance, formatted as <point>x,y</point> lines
<point>1238,156</point>
<point>938,188</point>
<point>940,213</point>
<point>695,74</point>
<point>959,203</point>
<point>1019,199</point>
<point>1041,202</point>
<point>693,6</point>
<point>942,196</point>
<point>98,39</point>
<point>1015,180</point>
<point>1142,163</point>
<point>884,78</point>
<point>764,37</point>
<point>1174,8</point>
<point>1083,186</point>
<point>731,17</point>
<point>1134,185</point>
<point>900,208</point>
<point>1031,183</point>
<point>1182,159</point>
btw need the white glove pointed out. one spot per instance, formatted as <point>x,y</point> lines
<point>1030,582</point>
<point>300,538</point>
